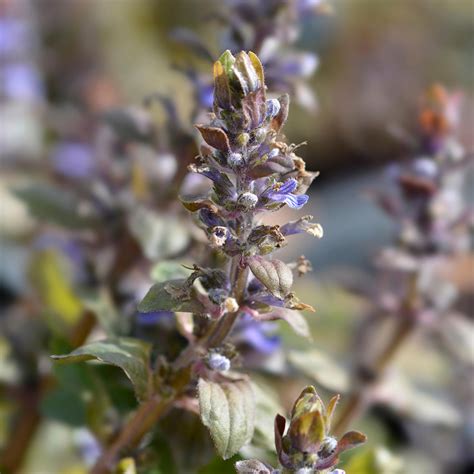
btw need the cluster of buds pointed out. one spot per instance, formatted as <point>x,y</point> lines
<point>307,446</point>
<point>252,172</point>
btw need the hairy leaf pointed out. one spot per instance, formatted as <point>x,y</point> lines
<point>170,296</point>
<point>274,274</point>
<point>321,368</point>
<point>215,137</point>
<point>294,318</point>
<point>351,440</point>
<point>228,410</point>
<point>158,236</point>
<point>131,355</point>
<point>56,206</point>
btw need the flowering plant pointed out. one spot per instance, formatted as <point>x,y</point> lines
<point>252,172</point>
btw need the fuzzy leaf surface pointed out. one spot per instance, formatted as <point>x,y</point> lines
<point>131,355</point>
<point>274,274</point>
<point>165,297</point>
<point>228,410</point>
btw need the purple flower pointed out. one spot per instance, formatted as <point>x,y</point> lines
<point>206,95</point>
<point>73,160</point>
<point>257,335</point>
<point>21,81</point>
<point>283,192</point>
<point>150,319</point>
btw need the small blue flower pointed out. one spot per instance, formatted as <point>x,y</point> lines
<point>74,160</point>
<point>283,192</point>
<point>151,319</point>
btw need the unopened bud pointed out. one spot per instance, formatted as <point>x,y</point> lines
<point>235,160</point>
<point>247,200</point>
<point>273,107</point>
<point>259,135</point>
<point>328,447</point>
<point>218,362</point>
<point>243,139</point>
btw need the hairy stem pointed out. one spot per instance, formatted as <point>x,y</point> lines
<point>152,410</point>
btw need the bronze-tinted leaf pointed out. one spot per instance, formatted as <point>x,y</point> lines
<point>351,440</point>
<point>215,137</point>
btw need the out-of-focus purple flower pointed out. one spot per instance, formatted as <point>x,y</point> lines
<point>15,37</point>
<point>257,335</point>
<point>88,446</point>
<point>150,319</point>
<point>283,192</point>
<point>205,93</point>
<point>297,64</point>
<point>74,160</point>
<point>425,168</point>
<point>21,81</point>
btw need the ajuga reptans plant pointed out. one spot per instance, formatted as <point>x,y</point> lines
<point>252,172</point>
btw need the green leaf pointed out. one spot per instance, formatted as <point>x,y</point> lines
<point>294,318</point>
<point>266,406</point>
<point>56,205</point>
<point>167,296</point>
<point>101,305</point>
<point>131,355</point>
<point>227,60</point>
<point>378,460</point>
<point>159,236</point>
<point>168,270</point>
<point>274,274</point>
<point>228,410</point>
<point>320,367</point>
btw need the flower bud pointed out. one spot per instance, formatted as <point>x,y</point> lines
<point>218,362</point>
<point>328,446</point>
<point>243,139</point>
<point>235,160</point>
<point>247,200</point>
<point>273,107</point>
<point>259,135</point>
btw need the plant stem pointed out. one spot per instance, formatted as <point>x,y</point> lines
<point>360,399</point>
<point>152,410</point>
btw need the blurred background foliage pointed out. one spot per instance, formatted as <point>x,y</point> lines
<point>87,56</point>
